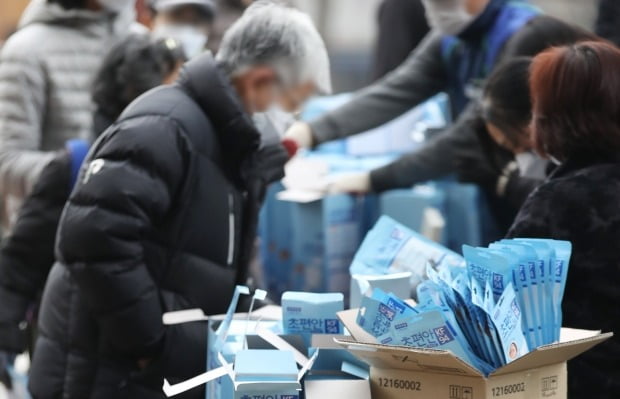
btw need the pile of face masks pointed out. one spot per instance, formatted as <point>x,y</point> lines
<point>505,302</point>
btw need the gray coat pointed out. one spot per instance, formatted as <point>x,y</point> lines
<point>46,71</point>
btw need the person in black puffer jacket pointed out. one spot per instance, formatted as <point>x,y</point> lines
<point>576,108</point>
<point>132,67</point>
<point>163,216</point>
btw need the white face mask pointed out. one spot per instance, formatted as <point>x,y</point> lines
<point>191,38</point>
<point>449,17</point>
<point>531,165</point>
<point>273,123</point>
<point>115,5</point>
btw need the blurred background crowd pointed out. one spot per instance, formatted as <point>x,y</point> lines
<point>352,29</point>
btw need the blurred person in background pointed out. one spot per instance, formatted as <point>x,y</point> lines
<point>46,72</point>
<point>132,67</point>
<point>401,27</point>
<point>608,21</point>
<point>506,114</point>
<point>164,214</point>
<point>228,11</point>
<point>576,123</point>
<point>431,69</point>
<point>145,14</point>
<point>188,21</point>
<point>466,42</point>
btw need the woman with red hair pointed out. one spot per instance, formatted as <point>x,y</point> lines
<point>576,123</point>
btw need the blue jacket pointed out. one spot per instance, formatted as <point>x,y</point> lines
<point>471,56</point>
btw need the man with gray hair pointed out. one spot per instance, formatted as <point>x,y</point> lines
<point>164,212</point>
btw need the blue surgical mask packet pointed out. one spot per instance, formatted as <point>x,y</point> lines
<point>391,247</point>
<point>379,311</point>
<point>526,279</point>
<point>558,274</point>
<point>470,316</point>
<point>490,334</point>
<point>539,273</point>
<point>504,302</point>
<point>431,329</point>
<point>545,254</point>
<point>507,320</point>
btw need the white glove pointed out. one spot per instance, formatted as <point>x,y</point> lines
<point>300,133</point>
<point>358,183</point>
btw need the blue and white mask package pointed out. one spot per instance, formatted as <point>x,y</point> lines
<point>306,313</point>
<point>393,248</point>
<point>504,303</point>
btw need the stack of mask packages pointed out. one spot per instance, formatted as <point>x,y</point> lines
<point>504,303</point>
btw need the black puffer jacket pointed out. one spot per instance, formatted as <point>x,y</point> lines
<point>162,219</point>
<point>27,254</point>
<point>579,203</point>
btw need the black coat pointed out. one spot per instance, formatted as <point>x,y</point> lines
<point>27,254</point>
<point>162,218</point>
<point>580,204</point>
<point>402,26</point>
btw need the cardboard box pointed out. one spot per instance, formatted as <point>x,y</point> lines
<point>336,372</point>
<point>266,373</point>
<point>398,372</point>
<point>398,283</point>
<point>249,341</point>
<point>408,206</point>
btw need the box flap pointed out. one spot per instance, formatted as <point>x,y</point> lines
<point>556,353</point>
<point>321,389</point>
<point>173,390</point>
<point>184,316</point>
<point>326,341</point>
<point>349,319</point>
<point>269,312</point>
<point>280,344</point>
<point>262,386</point>
<point>410,359</point>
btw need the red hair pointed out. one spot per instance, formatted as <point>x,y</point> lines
<point>576,100</point>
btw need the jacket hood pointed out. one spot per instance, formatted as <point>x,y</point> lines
<point>212,90</point>
<point>41,11</point>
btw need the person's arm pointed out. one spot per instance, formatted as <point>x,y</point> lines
<point>435,159</point>
<point>402,26</point>
<point>127,187</point>
<point>23,99</point>
<point>27,254</point>
<point>420,77</point>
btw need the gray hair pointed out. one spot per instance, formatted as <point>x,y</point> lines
<point>280,37</point>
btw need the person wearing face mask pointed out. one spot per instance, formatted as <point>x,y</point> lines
<point>46,69</point>
<point>188,21</point>
<point>507,112</point>
<point>576,104</point>
<point>455,64</point>
<point>163,216</point>
<point>466,40</point>
<point>465,43</point>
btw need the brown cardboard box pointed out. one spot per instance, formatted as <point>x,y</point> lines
<point>402,372</point>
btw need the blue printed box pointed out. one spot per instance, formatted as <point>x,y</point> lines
<point>307,313</point>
